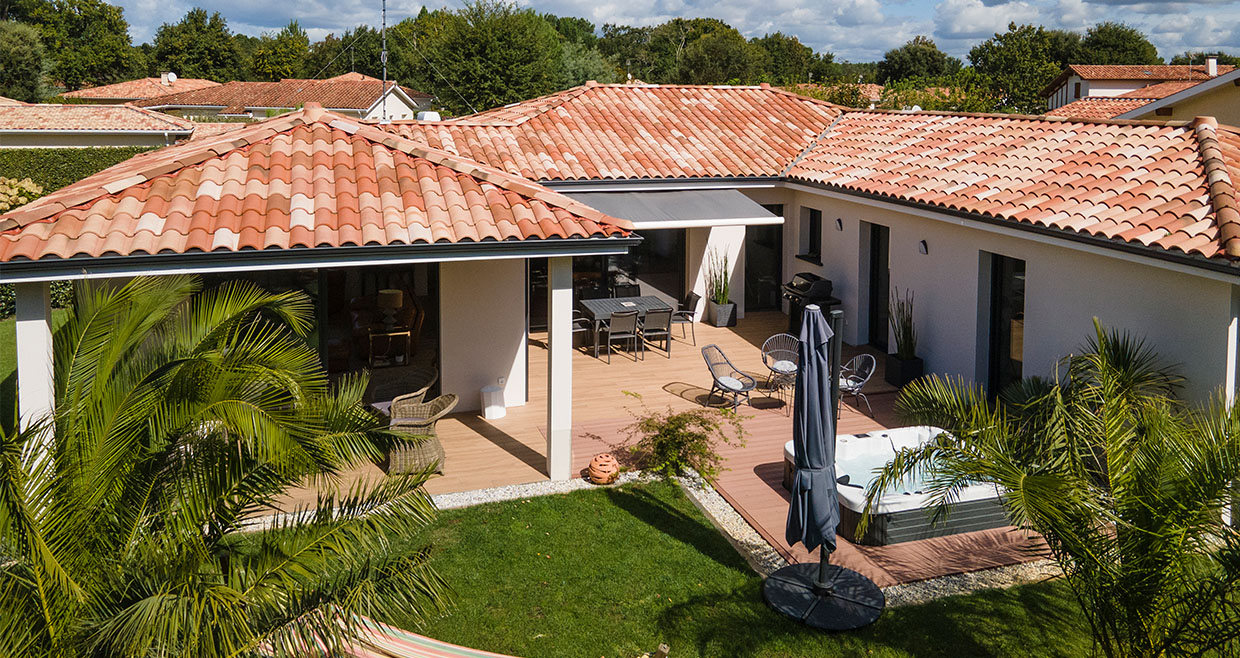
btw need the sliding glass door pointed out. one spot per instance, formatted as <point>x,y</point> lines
<point>1007,321</point>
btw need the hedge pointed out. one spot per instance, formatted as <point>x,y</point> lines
<point>53,169</point>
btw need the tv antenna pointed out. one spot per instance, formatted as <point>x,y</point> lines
<point>383,59</point>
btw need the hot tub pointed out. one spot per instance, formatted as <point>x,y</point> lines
<point>903,513</point>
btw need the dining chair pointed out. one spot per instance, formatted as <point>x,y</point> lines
<point>623,326</point>
<point>658,326</point>
<point>684,315</point>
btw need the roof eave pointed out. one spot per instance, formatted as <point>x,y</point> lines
<point>100,267</point>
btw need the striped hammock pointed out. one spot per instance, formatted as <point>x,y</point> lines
<point>382,641</point>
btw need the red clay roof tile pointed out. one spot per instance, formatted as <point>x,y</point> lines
<point>220,196</point>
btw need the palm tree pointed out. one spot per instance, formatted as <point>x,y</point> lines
<point>1126,485</point>
<point>146,516</point>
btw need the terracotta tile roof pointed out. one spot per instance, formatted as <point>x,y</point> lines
<point>212,128</point>
<point>309,178</point>
<point>355,92</point>
<point>142,88</point>
<point>1098,107</point>
<point>629,131</point>
<point>1161,89</point>
<point>1161,185</point>
<point>92,118</point>
<point>1159,72</point>
<point>10,101</point>
<point>1129,72</point>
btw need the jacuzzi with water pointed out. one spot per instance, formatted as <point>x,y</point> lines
<point>903,513</point>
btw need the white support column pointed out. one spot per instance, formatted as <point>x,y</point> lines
<point>36,392</point>
<point>560,368</point>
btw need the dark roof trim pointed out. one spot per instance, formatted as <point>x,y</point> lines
<point>303,257</point>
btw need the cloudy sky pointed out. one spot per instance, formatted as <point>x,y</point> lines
<point>856,30</point>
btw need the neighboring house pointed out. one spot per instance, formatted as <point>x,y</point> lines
<point>1014,233</point>
<point>136,90</point>
<point>1080,81</point>
<point>73,126</point>
<point>10,101</point>
<point>1218,97</point>
<point>351,94</point>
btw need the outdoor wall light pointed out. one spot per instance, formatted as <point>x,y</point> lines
<point>923,247</point>
<point>839,224</point>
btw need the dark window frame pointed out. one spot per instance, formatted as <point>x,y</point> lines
<point>811,227</point>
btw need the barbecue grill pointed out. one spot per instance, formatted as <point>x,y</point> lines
<point>804,289</point>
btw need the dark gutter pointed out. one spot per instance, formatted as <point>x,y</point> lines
<point>558,184</point>
<point>307,257</point>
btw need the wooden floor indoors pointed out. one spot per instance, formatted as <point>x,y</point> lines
<point>489,453</point>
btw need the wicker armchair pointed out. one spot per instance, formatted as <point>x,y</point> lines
<point>423,449</point>
<point>424,379</point>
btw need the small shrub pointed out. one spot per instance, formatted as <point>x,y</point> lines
<point>671,442</point>
<point>718,277</point>
<point>900,315</point>
<point>16,193</point>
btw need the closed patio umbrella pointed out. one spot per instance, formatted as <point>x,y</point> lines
<point>821,595</point>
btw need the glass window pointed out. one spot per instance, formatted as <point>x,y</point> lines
<point>811,233</point>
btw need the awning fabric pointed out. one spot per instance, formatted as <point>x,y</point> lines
<point>679,208</point>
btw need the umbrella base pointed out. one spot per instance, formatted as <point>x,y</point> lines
<point>850,601</point>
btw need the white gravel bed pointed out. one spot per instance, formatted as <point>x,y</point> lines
<point>964,583</point>
<point>760,555</point>
<point>518,491</point>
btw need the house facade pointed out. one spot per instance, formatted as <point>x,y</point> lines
<point>1012,233</point>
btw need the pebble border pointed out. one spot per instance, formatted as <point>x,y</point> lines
<point>759,553</point>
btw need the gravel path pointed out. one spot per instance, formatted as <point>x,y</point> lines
<point>760,555</point>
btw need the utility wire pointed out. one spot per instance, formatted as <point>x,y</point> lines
<point>437,73</point>
<point>338,55</point>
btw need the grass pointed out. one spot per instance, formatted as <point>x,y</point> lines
<point>614,572</point>
<point>8,365</point>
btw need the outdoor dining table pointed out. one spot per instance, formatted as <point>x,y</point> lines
<point>599,311</point>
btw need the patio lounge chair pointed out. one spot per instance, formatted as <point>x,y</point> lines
<point>853,377</point>
<point>623,326</point>
<point>424,448</point>
<point>684,316</point>
<point>726,377</point>
<point>779,353</point>
<point>658,326</point>
<point>423,379</point>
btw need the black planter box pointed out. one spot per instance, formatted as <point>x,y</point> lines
<point>721,315</point>
<point>899,372</point>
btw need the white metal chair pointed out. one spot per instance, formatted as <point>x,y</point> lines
<point>854,376</point>
<point>726,377</point>
<point>780,354</point>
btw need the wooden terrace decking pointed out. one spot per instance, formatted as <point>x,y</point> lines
<point>489,453</point>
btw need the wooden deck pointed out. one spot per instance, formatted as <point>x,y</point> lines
<point>489,453</point>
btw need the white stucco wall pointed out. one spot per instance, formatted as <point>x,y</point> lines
<point>728,240</point>
<point>397,109</point>
<point>1185,316</point>
<point>483,329</point>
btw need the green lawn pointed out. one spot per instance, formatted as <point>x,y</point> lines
<point>614,572</point>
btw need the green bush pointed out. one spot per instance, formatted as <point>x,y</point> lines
<point>669,443</point>
<point>62,297</point>
<point>53,169</point>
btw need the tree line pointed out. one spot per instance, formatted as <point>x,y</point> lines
<point>493,52</point>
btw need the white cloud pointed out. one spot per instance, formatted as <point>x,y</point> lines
<point>971,19</point>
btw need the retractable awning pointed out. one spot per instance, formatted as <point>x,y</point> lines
<point>679,208</point>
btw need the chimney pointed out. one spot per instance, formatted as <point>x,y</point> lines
<point>1211,67</point>
<point>163,78</point>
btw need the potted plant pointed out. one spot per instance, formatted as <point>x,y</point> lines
<point>720,311</point>
<point>903,365</point>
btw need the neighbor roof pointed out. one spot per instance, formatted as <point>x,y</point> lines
<point>623,131</point>
<point>309,178</point>
<point>1157,185</point>
<point>141,88</point>
<point>10,101</point>
<point>88,118</point>
<point>1098,107</point>
<point>1136,183</point>
<point>1130,72</point>
<point>347,92</point>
